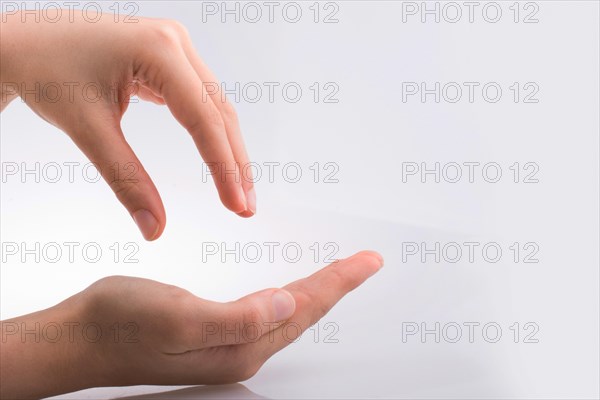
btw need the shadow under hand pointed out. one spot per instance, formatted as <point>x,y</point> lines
<point>233,391</point>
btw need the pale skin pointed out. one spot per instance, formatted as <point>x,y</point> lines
<point>152,58</point>
<point>151,333</point>
<point>173,337</point>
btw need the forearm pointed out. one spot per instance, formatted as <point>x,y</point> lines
<point>42,354</point>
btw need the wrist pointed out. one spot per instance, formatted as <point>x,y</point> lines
<point>43,354</point>
<point>79,345</point>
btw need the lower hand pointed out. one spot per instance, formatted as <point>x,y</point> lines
<point>159,334</point>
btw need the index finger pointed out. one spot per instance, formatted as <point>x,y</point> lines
<point>316,295</point>
<point>230,119</point>
<point>176,81</point>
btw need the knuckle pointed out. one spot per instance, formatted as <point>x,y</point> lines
<point>165,34</point>
<point>214,120</point>
<point>179,296</point>
<point>229,113</point>
<point>101,294</point>
<point>184,317</point>
<point>178,27</point>
<point>103,285</point>
<point>123,189</point>
<point>336,278</point>
<point>316,307</point>
<point>251,315</point>
<point>322,309</point>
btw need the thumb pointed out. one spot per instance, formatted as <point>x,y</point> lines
<point>246,320</point>
<point>107,148</point>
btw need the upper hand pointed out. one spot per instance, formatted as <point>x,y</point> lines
<point>97,67</point>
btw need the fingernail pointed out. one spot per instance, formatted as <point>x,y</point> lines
<point>243,198</point>
<point>146,222</point>
<point>375,255</point>
<point>251,200</point>
<point>283,304</point>
<point>380,258</point>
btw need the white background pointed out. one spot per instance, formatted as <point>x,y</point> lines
<point>369,133</point>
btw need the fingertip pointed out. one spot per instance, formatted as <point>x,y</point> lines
<point>250,200</point>
<point>250,196</point>
<point>234,199</point>
<point>375,254</point>
<point>158,234</point>
<point>369,257</point>
<point>147,224</point>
